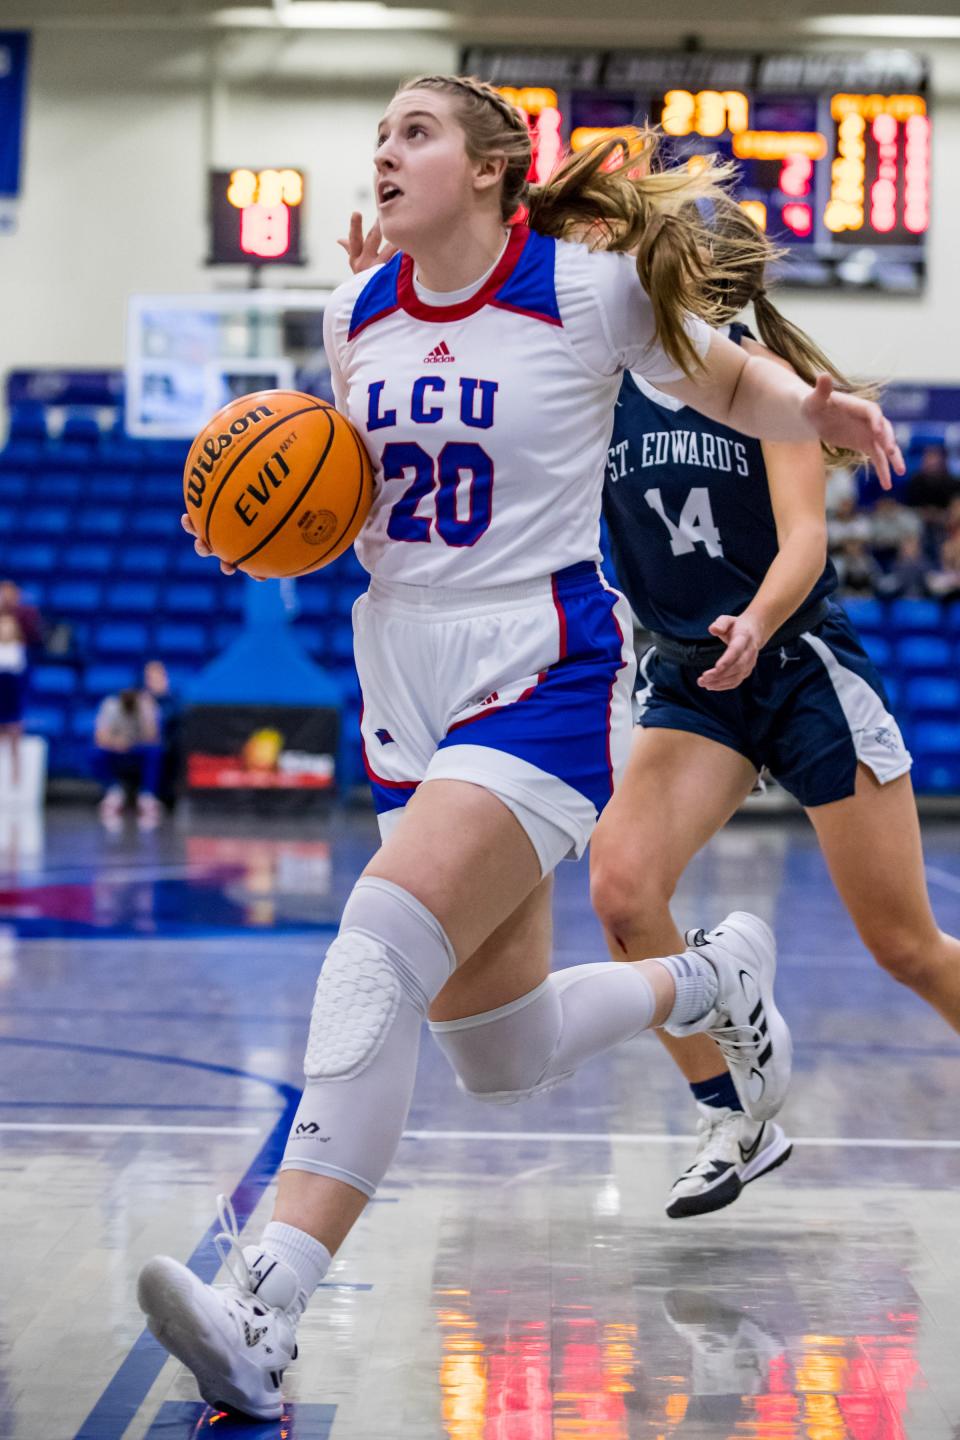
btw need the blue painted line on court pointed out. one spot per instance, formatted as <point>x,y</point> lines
<point>177,1418</point>
<point>126,1392</point>
<point>160,1105</point>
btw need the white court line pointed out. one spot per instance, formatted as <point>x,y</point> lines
<point>944,878</point>
<point>598,1137</point>
<point>77,1129</point>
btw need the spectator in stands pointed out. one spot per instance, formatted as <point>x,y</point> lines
<point>890,525</point>
<point>841,487</point>
<point>909,574</point>
<point>932,488</point>
<point>156,682</point>
<point>945,579</point>
<point>13,674</point>
<point>27,616</point>
<point>127,748</point>
<point>856,568</point>
<point>847,524</point>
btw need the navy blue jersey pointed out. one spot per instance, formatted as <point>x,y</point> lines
<point>687,506</point>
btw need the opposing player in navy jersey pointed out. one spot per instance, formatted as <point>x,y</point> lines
<point>481,365</point>
<point>719,542</point>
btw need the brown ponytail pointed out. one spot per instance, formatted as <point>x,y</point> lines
<point>734,230</point>
<point>612,196</point>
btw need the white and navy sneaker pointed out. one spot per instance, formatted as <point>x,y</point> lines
<point>732,1150</point>
<point>745,1022</point>
<point>731,1354</point>
<point>236,1338</point>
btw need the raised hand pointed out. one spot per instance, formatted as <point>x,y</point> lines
<point>365,250</point>
<point>846,420</point>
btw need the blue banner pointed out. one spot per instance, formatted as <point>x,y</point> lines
<point>13,88</point>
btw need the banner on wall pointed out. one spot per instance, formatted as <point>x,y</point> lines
<point>14,47</point>
<point>248,751</point>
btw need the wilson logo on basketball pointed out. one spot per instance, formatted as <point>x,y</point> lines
<point>214,446</point>
<point>439,355</point>
<point>316,526</point>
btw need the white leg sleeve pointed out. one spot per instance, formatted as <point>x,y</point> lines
<point>379,976</point>
<point>531,1045</point>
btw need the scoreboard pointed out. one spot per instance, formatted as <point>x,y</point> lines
<point>832,151</point>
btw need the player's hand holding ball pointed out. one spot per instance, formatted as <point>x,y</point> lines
<point>276,484</point>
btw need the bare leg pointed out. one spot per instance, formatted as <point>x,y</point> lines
<point>871,843</point>
<point>678,791</point>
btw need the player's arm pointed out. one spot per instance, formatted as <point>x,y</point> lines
<point>797,478</point>
<point>751,394</point>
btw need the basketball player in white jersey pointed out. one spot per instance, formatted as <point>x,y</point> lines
<point>480,366</point>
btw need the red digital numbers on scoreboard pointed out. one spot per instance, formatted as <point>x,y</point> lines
<point>255,216</point>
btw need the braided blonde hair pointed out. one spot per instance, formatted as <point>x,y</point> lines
<point>491,126</point>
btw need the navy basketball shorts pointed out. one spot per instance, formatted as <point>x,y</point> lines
<point>524,690</point>
<point>812,710</point>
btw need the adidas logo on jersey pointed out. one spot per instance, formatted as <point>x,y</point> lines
<point>439,355</point>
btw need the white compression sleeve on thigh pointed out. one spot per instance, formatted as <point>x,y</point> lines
<point>529,1046</point>
<point>388,962</point>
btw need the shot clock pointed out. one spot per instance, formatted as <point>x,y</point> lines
<point>833,151</point>
<point>255,216</point>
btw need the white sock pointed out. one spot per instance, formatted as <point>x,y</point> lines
<point>697,986</point>
<point>307,1258</point>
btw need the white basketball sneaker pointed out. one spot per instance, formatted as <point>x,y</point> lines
<point>732,1150</point>
<point>745,1022</point>
<point>236,1338</point>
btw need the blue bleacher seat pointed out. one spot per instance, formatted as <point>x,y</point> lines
<point>106,522</point>
<point>164,521</point>
<point>172,639</point>
<point>880,651</point>
<point>186,561</point>
<point>139,597</point>
<point>14,484</point>
<point>28,421</point>
<point>68,596</point>
<point>65,486</point>
<point>184,597</point>
<point>53,680</point>
<point>48,720</point>
<point>108,679</point>
<point>341,646</point>
<point>87,559</point>
<point>952,619</point>
<point>144,560</point>
<point>929,695</point>
<point>313,598</point>
<point>121,637</point>
<point>32,559</point>
<point>916,617</point>
<point>81,431</point>
<point>82,720</point>
<point>937,737</point>
<point>927,654</point>
<point>7,519</point>
<point>165,490</point>
<point>868,615</point>
<point>44,520</point>
<point>934,774</point>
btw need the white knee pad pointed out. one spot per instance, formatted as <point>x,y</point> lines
<point>502,1056</point>
<point>380,974</point>
<point>355,1003</point>
<point>533,1044</point>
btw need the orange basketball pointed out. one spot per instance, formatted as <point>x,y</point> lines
<point>278,483</point>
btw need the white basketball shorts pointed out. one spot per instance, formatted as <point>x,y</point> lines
<point>523,690</point>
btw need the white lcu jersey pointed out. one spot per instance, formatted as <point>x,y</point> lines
<point>488,416</point>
